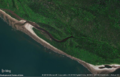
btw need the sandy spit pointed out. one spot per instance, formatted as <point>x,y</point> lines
<point>28,29</point>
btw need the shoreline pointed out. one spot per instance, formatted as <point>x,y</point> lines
<point>27,29</point>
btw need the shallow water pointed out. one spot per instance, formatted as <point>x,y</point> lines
<point>22,55</point>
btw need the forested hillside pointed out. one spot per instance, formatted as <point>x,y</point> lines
<point>95,25</point>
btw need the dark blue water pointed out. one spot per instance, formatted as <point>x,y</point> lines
<point>22,55</point>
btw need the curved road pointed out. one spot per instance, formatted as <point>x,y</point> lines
<point>36,26</point>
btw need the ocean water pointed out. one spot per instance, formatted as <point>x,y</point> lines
<point>22,55</point>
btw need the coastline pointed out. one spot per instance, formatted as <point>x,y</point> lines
<point>27,29</point>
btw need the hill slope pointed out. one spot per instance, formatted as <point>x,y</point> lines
<point>95,24</point>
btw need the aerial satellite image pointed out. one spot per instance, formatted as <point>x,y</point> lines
<point>60,38</point>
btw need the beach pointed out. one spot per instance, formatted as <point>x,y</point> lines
<point>28,29</point>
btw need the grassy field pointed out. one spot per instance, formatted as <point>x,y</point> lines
<point>95,24</point>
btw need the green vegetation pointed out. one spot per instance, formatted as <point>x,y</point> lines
<point>95,24</point>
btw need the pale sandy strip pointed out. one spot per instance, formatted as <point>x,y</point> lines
<point>90,67</point>
<point>27,28</point>
<point>11,18</point>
